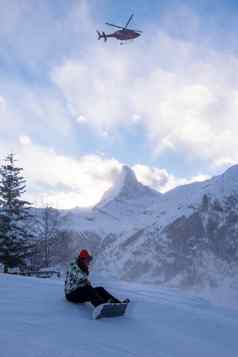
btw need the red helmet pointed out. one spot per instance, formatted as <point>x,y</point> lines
<point>85,254</point>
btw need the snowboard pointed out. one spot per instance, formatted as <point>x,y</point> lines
<point>111,310</point>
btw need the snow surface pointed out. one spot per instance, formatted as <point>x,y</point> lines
<point>36,321</point>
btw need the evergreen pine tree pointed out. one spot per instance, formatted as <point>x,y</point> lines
<point>14,216</point>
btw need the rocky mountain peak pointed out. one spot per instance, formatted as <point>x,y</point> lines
<point>126,187</point>
<point>127,181</point>
<point>128,175</point>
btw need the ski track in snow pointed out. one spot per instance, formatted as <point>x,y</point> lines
<point>36,321</point>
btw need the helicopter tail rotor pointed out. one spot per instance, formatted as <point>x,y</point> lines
<point>102,35</point>
<point>99,35</point>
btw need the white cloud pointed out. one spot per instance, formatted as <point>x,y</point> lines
<point>24,140</point>
<point>5,115</point>
<point>81,119</point>
<point>66,183</point>
<point>136,118</point>
<point>2,103</point>
<point>37,111</point>
<point>224,162</point>
<point>96,90</point>
<point>189,105</point>
<point>63,181</point>
<point>161,180</point>
<point>28,100</point>
<point>105,133</point>
<point>46,35</point>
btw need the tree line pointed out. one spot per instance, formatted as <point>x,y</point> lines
<point>29,238</point>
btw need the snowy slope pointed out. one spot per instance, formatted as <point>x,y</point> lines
<point>36,321</point>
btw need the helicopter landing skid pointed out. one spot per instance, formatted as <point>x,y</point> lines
<point>126,42</point>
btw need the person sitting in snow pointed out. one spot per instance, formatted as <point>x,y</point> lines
<point>78,288</point>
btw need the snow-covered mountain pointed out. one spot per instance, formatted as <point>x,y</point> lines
<point>171,237</point>
<point>128,192</point>
<point>129,205</point>
<point>125,207</point>
<point>182,200</point>
<point>193,238</point>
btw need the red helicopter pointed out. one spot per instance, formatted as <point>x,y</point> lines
<point>124,34</point>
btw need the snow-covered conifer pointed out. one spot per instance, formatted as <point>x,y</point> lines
<point>14,216</point>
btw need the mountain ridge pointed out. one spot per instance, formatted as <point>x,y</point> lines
<point>148,205</point>
<point>166,238</point>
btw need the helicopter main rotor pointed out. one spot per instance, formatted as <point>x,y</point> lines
<point>125,27</point>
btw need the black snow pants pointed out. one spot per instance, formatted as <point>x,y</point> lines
<point>96,296</point>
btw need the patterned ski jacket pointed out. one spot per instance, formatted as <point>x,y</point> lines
<point>76,277</point>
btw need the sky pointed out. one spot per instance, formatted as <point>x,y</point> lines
<point>74,109</point>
